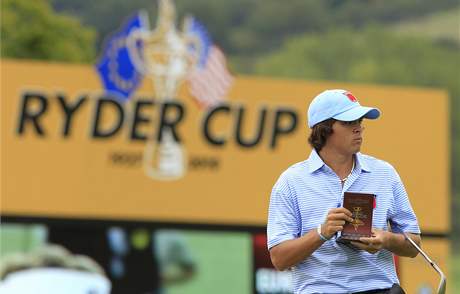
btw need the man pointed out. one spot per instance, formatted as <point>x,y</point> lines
<point>305,210</point>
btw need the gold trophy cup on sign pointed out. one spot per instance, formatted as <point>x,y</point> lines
<point>166,60</point>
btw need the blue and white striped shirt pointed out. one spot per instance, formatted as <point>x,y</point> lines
<point>301,199</point>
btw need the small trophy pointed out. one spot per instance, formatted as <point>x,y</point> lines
<point>361,206</point>
<point>165,58</point>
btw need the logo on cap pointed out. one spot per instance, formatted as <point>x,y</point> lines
<point>351,97</point>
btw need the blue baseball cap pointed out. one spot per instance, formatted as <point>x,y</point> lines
<point>340,105</point>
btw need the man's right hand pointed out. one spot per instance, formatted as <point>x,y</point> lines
<point>335,221</point>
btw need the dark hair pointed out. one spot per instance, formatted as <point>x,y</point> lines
<point>320,133</point>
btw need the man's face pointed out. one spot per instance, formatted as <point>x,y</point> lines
<point>346,137</point>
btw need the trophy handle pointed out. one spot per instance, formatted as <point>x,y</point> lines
<point>133,50</point>
<point>192,42</point>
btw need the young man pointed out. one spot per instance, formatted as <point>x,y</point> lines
<point>305,210</point>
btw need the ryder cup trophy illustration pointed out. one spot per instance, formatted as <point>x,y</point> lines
<point>163,55</point>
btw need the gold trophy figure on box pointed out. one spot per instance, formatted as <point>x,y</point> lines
<point>356,215</point>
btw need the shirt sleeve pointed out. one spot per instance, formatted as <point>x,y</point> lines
<point>283,221</point>
<point>402,216</point>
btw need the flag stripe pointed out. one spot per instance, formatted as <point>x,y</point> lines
<point>210,84</point>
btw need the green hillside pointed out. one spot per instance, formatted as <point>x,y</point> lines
<point>439,25</point>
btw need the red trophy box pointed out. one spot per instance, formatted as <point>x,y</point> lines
<point>361,206</point>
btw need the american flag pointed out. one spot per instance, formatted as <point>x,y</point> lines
<point>209,81</point>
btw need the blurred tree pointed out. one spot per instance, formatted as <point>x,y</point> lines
<point>30,29</point>
<point>245,28</point>
<point>105,15</point>
<point>372,55</point>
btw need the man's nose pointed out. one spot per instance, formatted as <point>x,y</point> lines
<point>358,129</point>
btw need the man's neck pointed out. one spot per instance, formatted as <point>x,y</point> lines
<point>340,163</point>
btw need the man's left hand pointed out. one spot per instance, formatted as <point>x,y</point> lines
<point>372,244</point>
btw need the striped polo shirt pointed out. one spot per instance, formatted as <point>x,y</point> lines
<point>301,199</point>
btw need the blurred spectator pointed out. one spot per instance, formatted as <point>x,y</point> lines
<point>52,269</point>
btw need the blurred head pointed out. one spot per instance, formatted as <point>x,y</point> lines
<point>52,269</point>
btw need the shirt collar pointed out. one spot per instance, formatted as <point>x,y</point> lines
<point>316,162</point>
<point>362,163</point>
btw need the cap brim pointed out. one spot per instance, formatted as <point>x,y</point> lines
<point>357,113</point>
